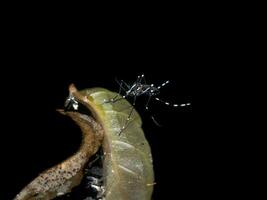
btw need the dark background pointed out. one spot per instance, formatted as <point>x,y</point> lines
<point>43,56</point>
<point>36,137</point>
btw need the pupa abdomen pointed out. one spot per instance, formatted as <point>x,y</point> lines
<point>128,169</point>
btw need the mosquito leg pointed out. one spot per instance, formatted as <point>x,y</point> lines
<point>154,120</point>
<point>174,105</point>
<point>163,84</point>
<point>127,121</point>
<point>143,76</point>
<point>114,99</point>
<point>122,81</point>
<point>139,79</point>
<point>147,109</point>
<point>129,117</point>
<point>148,102</point>
<point>128,87</point>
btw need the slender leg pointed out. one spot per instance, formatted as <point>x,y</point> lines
<point>129,117</point>
<point>174,105</point>
<point>154,120</point>
<point>138,79</point>
<point>147,109</point>
<point>122,82</point>
<point>114,99</point>
<point>163,84</point>
<point>143,78</point>
<point>128,87</point>
<point>148,102</point>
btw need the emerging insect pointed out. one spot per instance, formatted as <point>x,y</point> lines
<point>140,88</point>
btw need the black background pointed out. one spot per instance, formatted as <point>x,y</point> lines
<point>37,137</point>
<point>43,56</point>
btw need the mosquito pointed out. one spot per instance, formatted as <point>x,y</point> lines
<point>137,89</point>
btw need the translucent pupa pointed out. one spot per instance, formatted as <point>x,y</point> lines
<point>127,164</point>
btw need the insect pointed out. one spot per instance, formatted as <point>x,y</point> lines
<point>137,89</point>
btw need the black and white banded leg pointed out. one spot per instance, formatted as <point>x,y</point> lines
<point>163,84</point>
<point>174,105</point>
